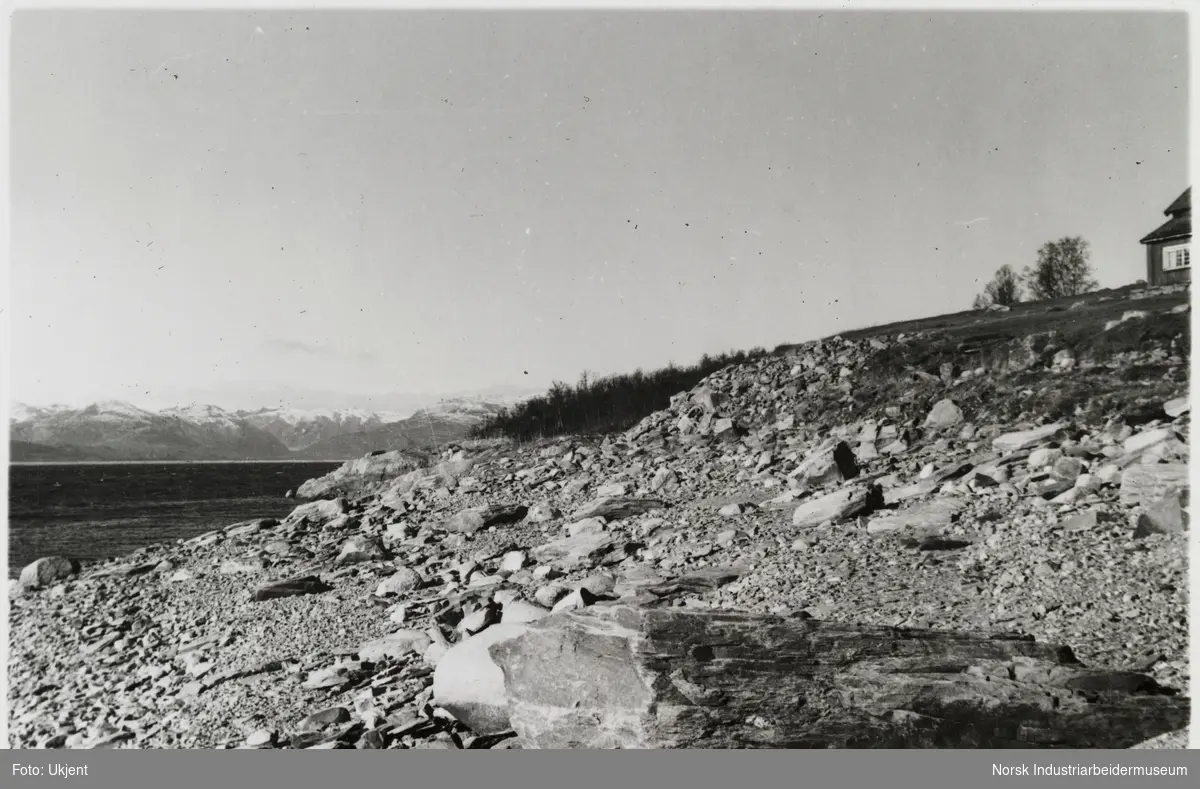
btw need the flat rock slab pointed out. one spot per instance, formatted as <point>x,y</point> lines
<point>246,528</point>
<point>472,520</point>
<point>293,587</point>
<point>630,677</point>
<point>1024,439</point>
<point>617,507</point>
<point>394,645</point>
<point>698,582</point>
<point>1146,439</point>
<point>838,506</point>
<point>127,570</point>
<point>929,516</point>
<point>581,549</point>
<point>1146,485</point>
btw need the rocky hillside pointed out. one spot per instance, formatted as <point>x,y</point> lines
<point>950,536</point>
<point>26,452</point>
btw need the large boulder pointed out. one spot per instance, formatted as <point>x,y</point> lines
<point>470,686</point>
<point>648,678</point>
<point>318,513</point>
<point>47,570</point>
<point>357,476</point>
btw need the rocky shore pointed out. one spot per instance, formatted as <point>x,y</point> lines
<point>806,491</point>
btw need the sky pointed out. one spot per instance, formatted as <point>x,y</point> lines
<point>308,208</point>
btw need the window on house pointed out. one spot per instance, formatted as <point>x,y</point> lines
<point>1176,257</point>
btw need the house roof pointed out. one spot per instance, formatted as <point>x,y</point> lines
<point>1174,227</point>
<point>1182,203</point>
<point>1180,223</point>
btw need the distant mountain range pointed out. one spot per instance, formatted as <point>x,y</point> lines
<point>114,430</point>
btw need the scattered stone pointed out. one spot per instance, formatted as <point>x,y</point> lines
<point>317,512</point>
<point>838,506</point>
<point>234,567</point>
<point>360,549</point>
<point>583,549</point>
<point>519,611</point>
<point>261,738</point>
<point>394,645</point>
<point>513,561</point>
<point>1143,485</point>
<point>833,463</point>
<point>1088,520</point>
<point>1023,439</point>
<point>1165,517</point>
<point>617,507</point>
<point>1145,440</point>
<point>541,513</point>
<point>404,580</point>
<point>325,718</point>
<point>945,413</point>
<point>309,584</point>
<point>471,521</point>
<point>1177,407</point>
<point>933,515</point>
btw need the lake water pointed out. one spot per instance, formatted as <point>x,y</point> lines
<point>94,511</point>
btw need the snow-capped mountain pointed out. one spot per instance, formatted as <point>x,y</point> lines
<point>299,428</point>
<point>116,430</point>
<point>202,415</point>
<point>20,412</point>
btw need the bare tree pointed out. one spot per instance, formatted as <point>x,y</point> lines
<point>1062,270</point>
<point>1004,289</point>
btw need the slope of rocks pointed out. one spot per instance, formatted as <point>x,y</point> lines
<point>817,484</point>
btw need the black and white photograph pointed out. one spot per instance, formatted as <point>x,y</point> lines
<point>598,378</point>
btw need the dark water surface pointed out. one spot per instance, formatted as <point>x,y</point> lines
<point>100,510</point>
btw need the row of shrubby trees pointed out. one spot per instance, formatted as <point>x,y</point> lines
<point>604,405</point>
<point>1063,268</point>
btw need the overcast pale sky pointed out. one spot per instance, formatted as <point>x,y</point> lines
<point>368,202</point>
